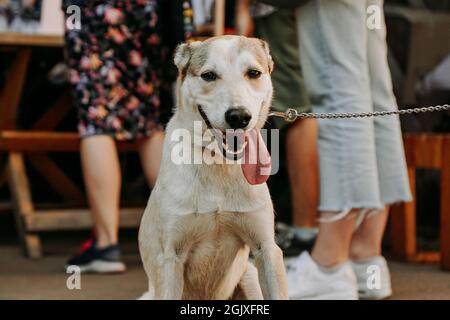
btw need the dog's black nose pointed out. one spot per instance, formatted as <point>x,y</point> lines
<point>238,118</point>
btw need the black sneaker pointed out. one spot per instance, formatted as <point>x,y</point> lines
<point>90,259</point>
<point>290,242</point>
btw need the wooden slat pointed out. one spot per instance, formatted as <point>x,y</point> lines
<point>409,141</point>
<point>75,219</point>
<point>23,205</point>
<point>21,39</point>
<point>425,150</point>
<point>445,205</point>
<point>39,141</point>
<point>11,93</point>
<point>428,151</point>
<point>20,185</point>
<point>426,257</point>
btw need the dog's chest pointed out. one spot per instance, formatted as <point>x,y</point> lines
<point>208,189</point>
<point>216,257</point>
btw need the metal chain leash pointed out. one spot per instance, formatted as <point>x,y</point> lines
<point>291,115</point>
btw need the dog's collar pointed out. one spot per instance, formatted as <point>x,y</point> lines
<point>204,116</point>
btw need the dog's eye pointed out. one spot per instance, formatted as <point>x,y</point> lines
<point>209,76</point>
<point>253,74</point>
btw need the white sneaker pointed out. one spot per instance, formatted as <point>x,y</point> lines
<point>374,279</point>
<point>307,281</point>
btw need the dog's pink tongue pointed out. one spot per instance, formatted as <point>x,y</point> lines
<point>257,163</point>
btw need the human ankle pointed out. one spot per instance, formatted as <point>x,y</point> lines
<point>327,261</point>
<point>102,243</point>
<point>362,252</point>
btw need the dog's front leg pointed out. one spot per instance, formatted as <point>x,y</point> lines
<point>257,230</point>
<point>171,282</point>
<point>270,265</point>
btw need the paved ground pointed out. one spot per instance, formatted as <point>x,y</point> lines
<point>21,278</point>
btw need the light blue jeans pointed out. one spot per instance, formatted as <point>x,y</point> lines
<point>362,162</point>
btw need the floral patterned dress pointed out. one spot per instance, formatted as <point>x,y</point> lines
<point>120,63</point>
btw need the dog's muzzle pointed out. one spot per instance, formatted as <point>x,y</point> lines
<point>231,143</point>
<point>239,144</point>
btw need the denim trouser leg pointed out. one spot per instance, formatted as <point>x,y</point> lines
<point>345,68</point>
<point>392,174</point>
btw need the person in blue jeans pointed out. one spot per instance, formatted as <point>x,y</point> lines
<point>362,162</point>
<point>343,54</point>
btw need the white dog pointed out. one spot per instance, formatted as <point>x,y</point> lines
<point>202,220</point>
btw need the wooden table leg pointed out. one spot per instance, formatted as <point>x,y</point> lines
<point>18,182</point>
<point>445,205</point>
<point>23,204</point>
<point>12,90</point>
<point>10,96</point>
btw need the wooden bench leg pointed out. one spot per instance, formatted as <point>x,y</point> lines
<point>23,204</point>
<point>445,206</point>
<point>403,222</point>
<point>11,93</point>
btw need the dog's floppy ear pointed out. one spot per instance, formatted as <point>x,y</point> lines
<point>183,55</point>
<point>265,46</point>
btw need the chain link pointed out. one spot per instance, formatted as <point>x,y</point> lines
<point>291,115</point>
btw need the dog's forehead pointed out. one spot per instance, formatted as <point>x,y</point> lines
<point>228,48</point>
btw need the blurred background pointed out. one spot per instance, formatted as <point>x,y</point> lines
<point>34,78</point>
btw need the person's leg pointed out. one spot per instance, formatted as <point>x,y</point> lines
<point>301,149</point>
<point>101,171</point>
<point>150,151</point>
<point>301,136</point>
<point>392,175</point>
<point>390,155</point>
<point>333,47</point>
<point>333,241</point>
<point>367,239</point>
<point>366,256</point>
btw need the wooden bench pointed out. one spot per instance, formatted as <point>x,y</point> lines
<point>430,151</point>
<point>34,145</point>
